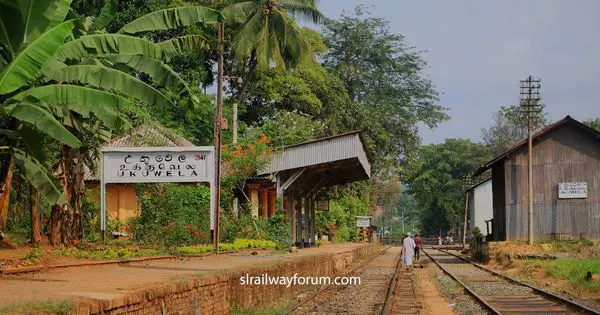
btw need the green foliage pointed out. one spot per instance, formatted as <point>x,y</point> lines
<point>385,81</point>
<point>510,127</point>
<point>575,271</point>
<point>172,214</point>
<point>475,244</point>
<point>34,256</point>
<point>437,180</point>
<point>269,32</point>
<point>339,223</point>
<point>594,123</point>
<point>237,245</point>
<point>244,226</point>
<point>48,307</point>
<point>107,252</point>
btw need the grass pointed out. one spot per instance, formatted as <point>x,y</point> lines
<point>58,307</point>
<point>34,256</point>
<point>568,246</point>
<point>575,270</point>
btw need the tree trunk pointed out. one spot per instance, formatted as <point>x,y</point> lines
<point>66,222</point>
<point>7,174</point>
<point>36,235</point>
<point>54,225</point>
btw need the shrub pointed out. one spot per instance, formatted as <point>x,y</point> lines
<point>274,229</point>
<point>475,244</point>
<point>34,256</point>
<point>238,245</point>
<point>173,214</point>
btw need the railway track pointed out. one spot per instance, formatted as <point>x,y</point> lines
<point>500,294</point>
<point>382,281</point>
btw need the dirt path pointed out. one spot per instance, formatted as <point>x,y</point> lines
<point>433,302</point>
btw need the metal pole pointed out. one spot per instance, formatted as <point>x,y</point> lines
<point>464,236</point>
<point>102,199</point>
<point>217,136</point>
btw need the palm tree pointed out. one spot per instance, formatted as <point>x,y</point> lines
<point>269,32</point>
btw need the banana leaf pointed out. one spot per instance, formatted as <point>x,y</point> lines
<point>172,18</point>
<point>111,79</point>
<point>107,45</point>
<point>27,64</point>
<point>43,121</point>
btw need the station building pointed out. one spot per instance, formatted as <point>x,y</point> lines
<point>297,175</point>
<point>566,185</point>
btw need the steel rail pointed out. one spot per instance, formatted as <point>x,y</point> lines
<point>551,295</point>
<point>292,308</point>
<point>479,299</point>
<point>390,292</point>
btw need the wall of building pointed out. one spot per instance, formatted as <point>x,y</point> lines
<point>220,293</point>
<point>121,200</point>
<point>565,155</point>
<point>480,206</point>
<point>498,203</point>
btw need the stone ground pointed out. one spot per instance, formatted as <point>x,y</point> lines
<point>113,281</point>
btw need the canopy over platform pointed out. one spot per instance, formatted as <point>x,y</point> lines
<point>301,171</point>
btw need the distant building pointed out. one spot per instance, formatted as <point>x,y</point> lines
<point>566,185</point>
<point>480,206</point>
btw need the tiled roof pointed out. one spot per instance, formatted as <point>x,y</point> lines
<point>146,135</point>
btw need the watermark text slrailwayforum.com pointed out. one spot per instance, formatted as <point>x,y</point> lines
<point>265,279</point>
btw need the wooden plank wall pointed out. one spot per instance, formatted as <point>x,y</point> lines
<point>567,154</point>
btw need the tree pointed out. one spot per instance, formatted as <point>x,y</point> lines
<point>437,179</point>
<point>269,32</point>
<point>509,127</point>
<point>385,82</point>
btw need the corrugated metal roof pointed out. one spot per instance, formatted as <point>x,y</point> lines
<point>567,120</point>
<point>325,150</point>
<point>146,135</point>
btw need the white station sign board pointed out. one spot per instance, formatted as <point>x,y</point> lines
<point>363,221</point>
<point>156,165</point>
<point>572,190</point>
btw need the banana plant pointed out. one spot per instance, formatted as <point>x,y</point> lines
<point>47,85</point>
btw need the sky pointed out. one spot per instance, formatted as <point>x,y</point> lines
<point>478,51</point>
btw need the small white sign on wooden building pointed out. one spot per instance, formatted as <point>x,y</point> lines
<point>572,190</point>
<point>363,221</point>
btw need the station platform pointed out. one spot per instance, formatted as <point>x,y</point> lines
<point>140,286</point>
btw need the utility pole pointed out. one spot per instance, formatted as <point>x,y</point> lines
<point>467,182</point>
<point>217,137</point>
<point>531,108</point>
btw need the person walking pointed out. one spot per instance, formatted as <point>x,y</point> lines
<point>418,245</point>
<point>408,251</point>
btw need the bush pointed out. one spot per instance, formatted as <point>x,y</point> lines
<point>475,244</point>
<point>173,215</point>
<point>274,229</point>
<point>240,244</point>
